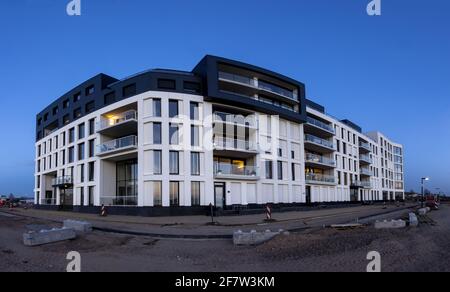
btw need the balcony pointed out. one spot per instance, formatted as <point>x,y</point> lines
<point>365,147</point>
<point>238,79</point>
<point>230,171</point>
<point>319,128</point>
<point>361,184</point>
<point>316,144</point>
<point>365,171</point>
<point>117,146</point>
<point>277,90</point>
<point>365,159</point>
<point>119,125</point>
<point>224,143</point>
<point>239,120</point>
<point>319,161</point>
<point>314,178</point>
<point>62,182</point>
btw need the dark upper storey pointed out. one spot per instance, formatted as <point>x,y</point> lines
<point>217,79</point>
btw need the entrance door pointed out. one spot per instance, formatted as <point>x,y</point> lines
<point>66,198</point>
<point>308,195</point>
<point>354,194</point>
<point>219,195</point>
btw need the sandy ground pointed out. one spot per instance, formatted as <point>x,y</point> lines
<point>421,249</point>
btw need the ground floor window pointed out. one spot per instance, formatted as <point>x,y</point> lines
<point>174,190</point>
<point>195,193</point>
<point>157,193</point>
<point>127,183</point>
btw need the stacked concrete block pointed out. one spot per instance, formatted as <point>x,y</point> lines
<point>48,236</point>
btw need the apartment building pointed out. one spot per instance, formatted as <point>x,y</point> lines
<point>227,133</point>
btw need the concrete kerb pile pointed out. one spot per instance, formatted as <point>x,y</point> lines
<point>79,226</point>
<point>393,224</point>
<point>255,238</point>
<point>424,211</point>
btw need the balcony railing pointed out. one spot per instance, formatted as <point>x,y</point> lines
<point>249,121</point>
<point>118,144</point>
<point>320,124</point>
<point>119,201</point>
<point>237,78</point>
<point>320,178</point>
<point>365,158</point>
<point>277,90</point>
<point>229,143</point>
<point>319,159</point>
<point>362,184</point>
<point>226,169</point>
<point>319,141</point>
<point>49,202</point>
<point>62,180</point>
<point>117,119</point>
<point>365,145</point>
<point>365,171</point>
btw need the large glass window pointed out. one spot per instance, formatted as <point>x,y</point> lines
<point>71,154</point>
<point>173,134</point>
<point>91,171</point>
<point>157,162</point>
<point>157,139</point>
<point>173,109</point>
<point>195,193</point>
<point>157,193</point>
<point>280,170</point>
<point>81,151</point>
<point>174,163</point>
<point>195,136</point>
<point>195,163</point>
<point>127,185</point>
<point>82,173</point>
<point>157,108</point>
<point>71,135</point>
<point>195,114</point>
<point>269,170</point>
<point>174,191</point>
<point>91,126</point>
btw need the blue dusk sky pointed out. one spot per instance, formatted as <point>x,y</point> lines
<point>389,73</point>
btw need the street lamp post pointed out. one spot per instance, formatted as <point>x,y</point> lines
<point>424,179</point>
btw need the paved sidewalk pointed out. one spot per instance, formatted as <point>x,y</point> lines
<point>197,226</point>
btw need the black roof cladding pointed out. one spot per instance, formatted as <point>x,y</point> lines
<point>205,75</point>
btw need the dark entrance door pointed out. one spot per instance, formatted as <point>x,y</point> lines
<point>219,195</point>
<point>354,194</point>
<point>308,195</point>
<point>66,199</point>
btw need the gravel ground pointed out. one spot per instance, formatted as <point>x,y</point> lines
<point>421,249</point>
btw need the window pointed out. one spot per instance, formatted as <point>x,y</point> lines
<point>56,159</point>
<point>91,148</point>
<point>157,139</point>
<point>344,148</point>
<point>269,170</point>
<point>81,151</point>
<point>91,127</point>
<point>77,97</point>
<point>38,166</point>
<point>39,150</point>
<point>192,86</point>
<point>280,170</point>
<point>91,196</point>
<point>71,154</point>
<point>55,110</point>
<point>63,154</point>
<point>195,136</point>
<point>195,193</point>
<point>72,135</point>
<point>174,193</point>
<point>157,162</point>
<point>339,177</point>
<point>82,173</point>
<point>156,108</point>
<point>166,84</point>
<point>66,119</point>
<point>64,138</point>
<point>293,171</point>
<point>280,152</point>
<point>81,131</point>
<point>195,163</point>
<point>293,154</point>
<point>90,107</point>
<point>90,90</point>
<point>174,163</point>
<point>39,121</point>
<point>129,90</point>
<point>173,134</point>
<point>173,109</point>
<point>77,113</point>
<point>157,193</point>
<point>66,103</point>
<point>82,196</point>
<point>45,117</point>
<point>91,170</point>
<point>195,114</point>
<point>110,98</point>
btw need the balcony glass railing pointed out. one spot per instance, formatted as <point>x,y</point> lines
<point>364,145</point>
<point>248,121</point>
<point>110,146</point>
<point>320,124</point>
<point>319,141</point>
<point>277,90</point>
<point>62,180</point>
<point>365,158</point>
<point>117,119</point>
<point>320,159</point>
<point>119,201</point>
<point>362,184</point>
<point>227,169</point>
<point>365,171</point>
<point>230,143</point>
<point>321,178</point>
<point>237,78</point>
